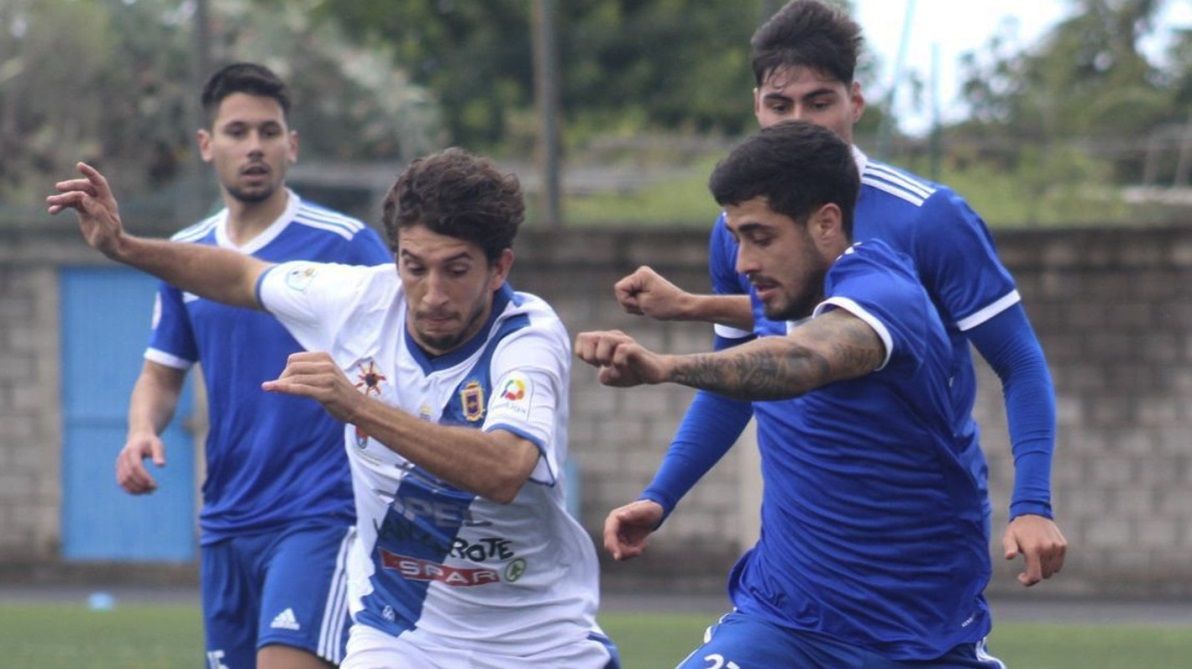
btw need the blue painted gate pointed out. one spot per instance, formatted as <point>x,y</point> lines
<point>105,317</point>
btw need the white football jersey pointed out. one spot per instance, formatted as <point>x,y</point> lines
<point>516,578</point>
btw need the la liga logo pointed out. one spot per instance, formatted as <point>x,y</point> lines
<point>514,390</point>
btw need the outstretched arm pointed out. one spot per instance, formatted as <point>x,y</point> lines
<point>217,274</point>
<point>647,293</point>
<point>832,347</point>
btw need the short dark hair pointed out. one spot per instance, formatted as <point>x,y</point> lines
<point>249,78</point>
<point>807,33</point>
<point>457,194</point>
<point>797,166</point>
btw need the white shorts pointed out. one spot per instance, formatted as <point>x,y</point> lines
<point>370,648</point>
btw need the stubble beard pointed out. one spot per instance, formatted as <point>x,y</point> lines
<point>449,342</point>
<point>253,196</point>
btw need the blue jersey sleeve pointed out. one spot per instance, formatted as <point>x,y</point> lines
<point>709,429</point>
<point>722,261</point>
<point>366,248</point>
<point>1009,344</point>
<point>172,340</point>
<point>880,287</point>
<point>958,263</point>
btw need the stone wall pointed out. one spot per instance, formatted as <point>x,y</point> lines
<point>1111,307</point>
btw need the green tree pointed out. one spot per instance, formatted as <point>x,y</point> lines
<point>121,92</point>
<point>1086,77</point>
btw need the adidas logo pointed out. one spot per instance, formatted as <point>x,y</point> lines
<point>286,621</point>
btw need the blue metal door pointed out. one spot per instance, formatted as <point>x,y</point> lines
<point>105,317</point>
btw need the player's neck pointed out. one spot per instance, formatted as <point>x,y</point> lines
<point>246,220</point>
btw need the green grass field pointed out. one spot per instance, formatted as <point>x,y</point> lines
<point>166,636</point>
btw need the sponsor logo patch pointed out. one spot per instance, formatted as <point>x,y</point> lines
<point>515,569</point>
<point>514,389</point>
<point>514,398</point>
<point>424,570</point>
<point>298,279</point>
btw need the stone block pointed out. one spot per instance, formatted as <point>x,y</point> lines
<point>1109,533</point>
<point>1158,533</point>
<point>1112,471</point>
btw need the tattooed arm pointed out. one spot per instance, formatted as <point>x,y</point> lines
<point>834,346</point>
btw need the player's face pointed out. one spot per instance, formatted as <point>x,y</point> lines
<point>250,146</point>
<point>780,258</point>
<point>449,285</point>
<point>806,94</point>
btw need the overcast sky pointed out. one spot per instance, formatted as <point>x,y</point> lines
<point>956,26</point>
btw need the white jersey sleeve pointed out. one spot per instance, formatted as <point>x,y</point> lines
<point>314,300</point>
<point>531,369</point>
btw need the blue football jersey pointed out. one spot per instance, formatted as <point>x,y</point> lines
<point>953,255</point>
<point>271,458</point>
<point>872,522</point>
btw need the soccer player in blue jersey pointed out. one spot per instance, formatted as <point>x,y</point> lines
<point>873,551</point>
<point>454,390</point>
<point>803,62</point>
<point>277,502</point>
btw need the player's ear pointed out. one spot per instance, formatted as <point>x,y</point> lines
<point>501,267</point>
<point>857,100</point>
<point>826,226</point>
<point>203,138</point>
<point>293,153</point>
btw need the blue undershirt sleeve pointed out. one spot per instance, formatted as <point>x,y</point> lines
<point>710,427</point>
<point>1009,345</point>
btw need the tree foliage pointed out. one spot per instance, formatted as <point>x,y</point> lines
<point>1086,84</point>
<point>642,63</point>
<point>122,92</point>
<point>1087,76</point>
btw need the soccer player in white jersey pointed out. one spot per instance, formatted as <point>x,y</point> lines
<point>454,391</point>
<point>873,552</point>
<point>803,61</point>
<point>277,502</point>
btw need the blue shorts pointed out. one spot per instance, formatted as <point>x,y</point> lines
<point>284,586</point>
<point>740,641</point>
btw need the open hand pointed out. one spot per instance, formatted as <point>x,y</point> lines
<point>95,207</point>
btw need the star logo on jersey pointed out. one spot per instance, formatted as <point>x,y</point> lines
<point>471,397</point>
<point>514,390</point>
<point>369,378</point>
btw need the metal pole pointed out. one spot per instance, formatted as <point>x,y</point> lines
<point>198,191</point>
<point>546,90</point>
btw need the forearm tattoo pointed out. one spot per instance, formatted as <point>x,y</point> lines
<point>832,347</point>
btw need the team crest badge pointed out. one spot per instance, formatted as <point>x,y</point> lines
<point>472,400</point>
